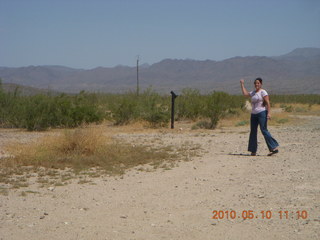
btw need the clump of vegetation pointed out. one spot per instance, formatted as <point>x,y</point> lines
<point>309,99</point>
<point>203,124</point>
<point>190,104</point>
<point>218,104</point>
<point>282,120</point>
<point>81,150</point>
<point>148,106</point>
<point>209,108</point>
<point>297,108</point>
<point>286,108</point>
<point>242,123</point>
<point>41,112</point>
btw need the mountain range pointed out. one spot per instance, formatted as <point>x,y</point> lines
<point>297,72</point>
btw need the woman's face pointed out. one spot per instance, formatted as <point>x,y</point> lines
<point>257,84</point>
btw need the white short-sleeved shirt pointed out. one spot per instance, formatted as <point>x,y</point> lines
<point>257,101</point>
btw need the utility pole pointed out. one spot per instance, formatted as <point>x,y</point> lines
<point>138,75</point>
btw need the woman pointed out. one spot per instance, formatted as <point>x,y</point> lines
<point>259,116</point>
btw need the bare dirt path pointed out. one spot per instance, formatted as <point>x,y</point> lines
<point>179,203</point>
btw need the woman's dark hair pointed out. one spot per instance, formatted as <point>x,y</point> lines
<point>259,79</point>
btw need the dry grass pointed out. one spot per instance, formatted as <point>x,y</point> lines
<point>82,149</point>
<point>278,112</point>
<point>239,119</point>
<point>56,159</point>
<point>301,109</point>
<point>4,191</point>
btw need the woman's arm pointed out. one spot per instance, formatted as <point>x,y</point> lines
<point>244,90</point>
<point>267,105</point>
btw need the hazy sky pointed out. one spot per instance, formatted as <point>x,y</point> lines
<point>92,33</point>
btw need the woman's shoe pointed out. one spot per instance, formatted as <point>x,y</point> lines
<point>253,154</point>
<point>273,152</point>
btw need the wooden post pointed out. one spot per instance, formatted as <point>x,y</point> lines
<point>138,76</point>
<point>173,97</point>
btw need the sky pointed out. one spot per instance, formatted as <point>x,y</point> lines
<point>92,33</point>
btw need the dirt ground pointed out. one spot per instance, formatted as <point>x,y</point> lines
<point>179,203</point>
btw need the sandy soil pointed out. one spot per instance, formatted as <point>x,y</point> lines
<point>179,203</point>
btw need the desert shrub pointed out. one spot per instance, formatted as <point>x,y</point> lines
<point>287,108</point>
<point>282,120</point>
<point>190,104</point>
<point>148,106</point>
<point>157,117</point>
<point>297,98</point>
<point>85,109</point>
<point>242,123</point>
<point>301,109</point>
<point>10,108</point>
<point>125,109</point>
<point>154,108</point>
<point>218,104</point>
<point>298,109</point>
<point>201,125</point>
<point>40,112</point>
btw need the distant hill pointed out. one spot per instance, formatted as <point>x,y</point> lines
<point>294,72</point>
<point>300,53</point>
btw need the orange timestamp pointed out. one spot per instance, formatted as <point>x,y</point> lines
<point>262,214</point>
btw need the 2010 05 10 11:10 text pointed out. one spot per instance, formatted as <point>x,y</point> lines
<point>250,214</point>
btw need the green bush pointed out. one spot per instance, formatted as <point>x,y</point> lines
<point>148,106</point>
<point>190,104</point>
<point>218,104</point>
<point>154,108</point>
<point>40,112</point>
<point>44,111</point>
<point>297,98</point>
<point>125,109</point>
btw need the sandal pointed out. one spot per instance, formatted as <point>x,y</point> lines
<point>273,152</point>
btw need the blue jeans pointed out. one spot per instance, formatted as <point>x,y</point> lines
<point>260,119</point>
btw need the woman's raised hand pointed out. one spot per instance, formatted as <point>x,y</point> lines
<point>241,81</point>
